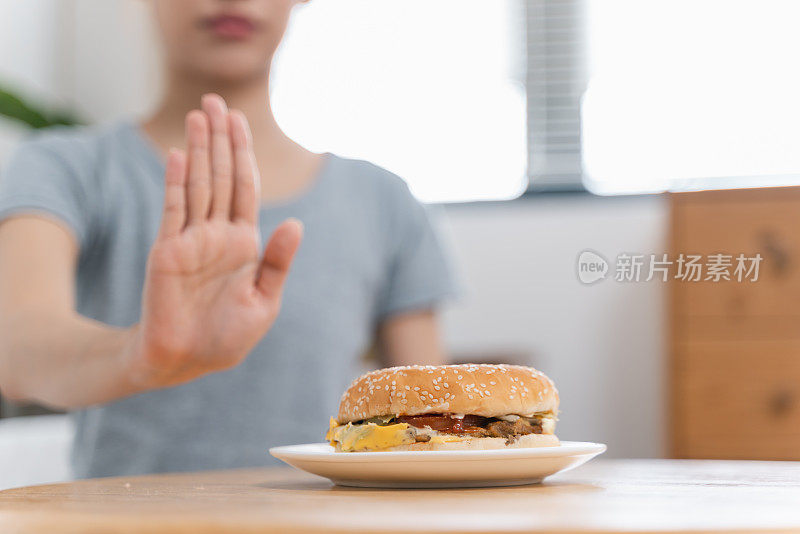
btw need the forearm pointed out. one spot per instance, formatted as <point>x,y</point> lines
<point>411,339</point>
<point>208,296</point>
<point>65,361</point>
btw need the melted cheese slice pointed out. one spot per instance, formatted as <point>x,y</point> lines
<point>353,438</point>
<point>369,436</point>
<point>448,438</point>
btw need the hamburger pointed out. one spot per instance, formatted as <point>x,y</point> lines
<point>446,407</point>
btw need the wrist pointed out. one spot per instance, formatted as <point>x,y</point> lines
<point>150,366</point>
<point>136,369</point>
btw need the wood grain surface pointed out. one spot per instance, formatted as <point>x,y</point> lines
<point>602,496</point>
<point>734,345</point>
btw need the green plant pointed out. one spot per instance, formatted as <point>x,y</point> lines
<point>16,108</point>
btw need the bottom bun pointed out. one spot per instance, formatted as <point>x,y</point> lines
<point>481,444</point>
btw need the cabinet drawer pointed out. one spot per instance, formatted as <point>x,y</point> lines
<point>748,222</point>
<point>736,400</point>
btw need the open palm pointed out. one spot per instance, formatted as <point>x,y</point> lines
<point>208,295</point>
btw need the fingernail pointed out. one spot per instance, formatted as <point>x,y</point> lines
<point>209,99</point>
<point>240,117</point>
<point>298,222</point>
<point>199,114</point>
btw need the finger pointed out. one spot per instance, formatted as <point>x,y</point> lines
<point>278,256</point>
<point>221,159</point>
<point>174,216</point>
<point>199,185</point>
<point>246,180</point>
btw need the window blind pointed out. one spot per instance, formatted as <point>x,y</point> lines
<point>556,78</point>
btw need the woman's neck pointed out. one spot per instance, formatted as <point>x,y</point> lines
<point>286,167</point>
<point>183,94</point>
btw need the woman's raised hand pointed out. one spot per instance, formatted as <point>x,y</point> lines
<point>208,296</point>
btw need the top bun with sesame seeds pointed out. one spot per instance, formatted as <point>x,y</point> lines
<point>474,389</point>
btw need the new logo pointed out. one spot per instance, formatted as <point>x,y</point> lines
<point>592,267</point>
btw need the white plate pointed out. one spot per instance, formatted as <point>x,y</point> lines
<point>437,469</point>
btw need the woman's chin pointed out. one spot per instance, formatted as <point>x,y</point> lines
<point>234,71</point>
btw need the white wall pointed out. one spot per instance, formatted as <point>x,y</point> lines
<point>109,63</point>
<point>602,344</point>
<point>94,57</point>
<point>27,63</point>
<point>23,58</point>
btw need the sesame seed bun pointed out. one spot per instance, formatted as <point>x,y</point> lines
<point>477,389</point>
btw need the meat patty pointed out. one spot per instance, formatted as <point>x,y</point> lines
<point>511,431</point>
<point>474,425</point>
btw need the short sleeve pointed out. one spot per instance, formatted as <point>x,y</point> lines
<point>44,176</point>
<point>420,274</point>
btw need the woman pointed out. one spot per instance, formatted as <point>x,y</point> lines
<point>170,351</point>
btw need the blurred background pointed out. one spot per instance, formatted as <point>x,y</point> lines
<point>544,128</point>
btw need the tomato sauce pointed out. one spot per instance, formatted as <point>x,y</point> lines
<point>470,424</point>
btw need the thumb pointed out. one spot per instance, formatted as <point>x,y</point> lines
<point>278,256</point>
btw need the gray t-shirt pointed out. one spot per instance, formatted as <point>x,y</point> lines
<point>369,252</point>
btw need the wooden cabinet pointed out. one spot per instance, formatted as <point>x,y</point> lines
<point>735,346</point>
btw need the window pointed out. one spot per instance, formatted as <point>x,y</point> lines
<point>431,90</point>
<point>476,100</point>
<point>691,94</point>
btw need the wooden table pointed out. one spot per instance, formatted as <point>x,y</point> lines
<point>603,496</point>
